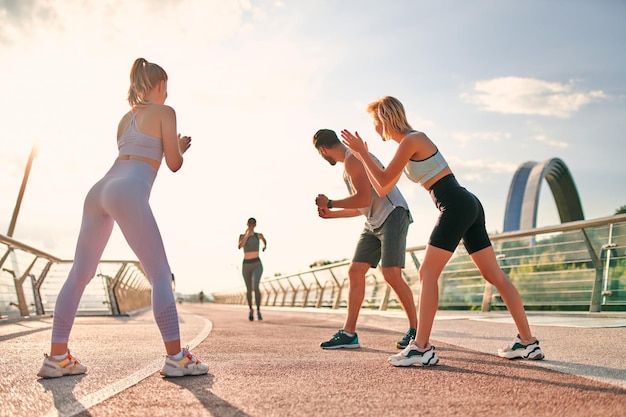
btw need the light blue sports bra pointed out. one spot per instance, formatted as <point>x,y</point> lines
<point>133,142</point>
<point>425,169</point>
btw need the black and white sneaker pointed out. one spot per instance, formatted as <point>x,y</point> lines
<point>412,355</point>
<point>518,350</point>
<point>341,340</point>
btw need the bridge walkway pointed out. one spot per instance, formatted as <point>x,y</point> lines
<point>275,367</point>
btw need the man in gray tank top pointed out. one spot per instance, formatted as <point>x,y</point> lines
<point>383,238</point>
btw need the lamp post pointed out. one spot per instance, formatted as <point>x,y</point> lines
<point>33,153</point>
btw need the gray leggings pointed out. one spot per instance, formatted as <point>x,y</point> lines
<point>120,196</point>
<point>252,269</point>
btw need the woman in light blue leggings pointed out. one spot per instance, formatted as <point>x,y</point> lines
<point>145,135</point>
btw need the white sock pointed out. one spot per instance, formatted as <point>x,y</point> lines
<point>178,356</point>
<point>59,358</point>
<point>349,334</point>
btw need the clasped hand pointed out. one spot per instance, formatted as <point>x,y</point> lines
<point>322,206</point>
<point>321,200</point>
<point>184,142</point>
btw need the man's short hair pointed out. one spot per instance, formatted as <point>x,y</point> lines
<point>326,138</point>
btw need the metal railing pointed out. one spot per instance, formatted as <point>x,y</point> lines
<point>30,280</point>
<point>578,265</point>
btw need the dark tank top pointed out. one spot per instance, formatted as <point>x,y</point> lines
<point>252,244</point>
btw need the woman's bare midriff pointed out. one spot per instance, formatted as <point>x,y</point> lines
<point>250,255</point>
<point>149,161</point>
<point>428,184</point>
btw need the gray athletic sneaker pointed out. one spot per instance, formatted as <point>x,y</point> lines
<point>54,369</point>
<point>188,365</point>
<point>411,355</point>
<point>518,350</point>
<point>341,340</point>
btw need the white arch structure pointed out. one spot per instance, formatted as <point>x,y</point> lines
<point>523,199</point>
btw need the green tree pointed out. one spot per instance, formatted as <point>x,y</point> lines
<point>621,210</point>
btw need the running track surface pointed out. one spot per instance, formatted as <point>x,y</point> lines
<point>275,367</point>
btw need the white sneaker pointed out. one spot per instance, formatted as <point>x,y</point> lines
<point>411,355</point>
<point>68,366</point>
<point>517,350</point>
<point>188,365</point>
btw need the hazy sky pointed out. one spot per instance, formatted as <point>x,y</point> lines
<point>493,83</point>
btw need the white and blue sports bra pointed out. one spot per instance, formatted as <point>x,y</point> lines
<point>423,170</point>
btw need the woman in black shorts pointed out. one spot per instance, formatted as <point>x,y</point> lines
<point>461,217</point>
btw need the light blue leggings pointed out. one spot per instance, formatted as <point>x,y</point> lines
<point>121,196</point>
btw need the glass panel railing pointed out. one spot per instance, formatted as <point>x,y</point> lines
<point>30,281</point>
<point>573,266</point>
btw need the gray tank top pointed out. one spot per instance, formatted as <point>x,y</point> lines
<point>252,244</point>
<point>380,207</point>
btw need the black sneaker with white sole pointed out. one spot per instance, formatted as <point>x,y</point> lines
<point>341,340</point>
<point>408,336</point>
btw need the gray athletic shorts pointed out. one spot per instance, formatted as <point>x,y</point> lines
<point>386,243</point>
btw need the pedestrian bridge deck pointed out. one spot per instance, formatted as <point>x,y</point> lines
<point>276,368</point>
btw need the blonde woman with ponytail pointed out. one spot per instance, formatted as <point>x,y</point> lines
<point>146,135</point>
